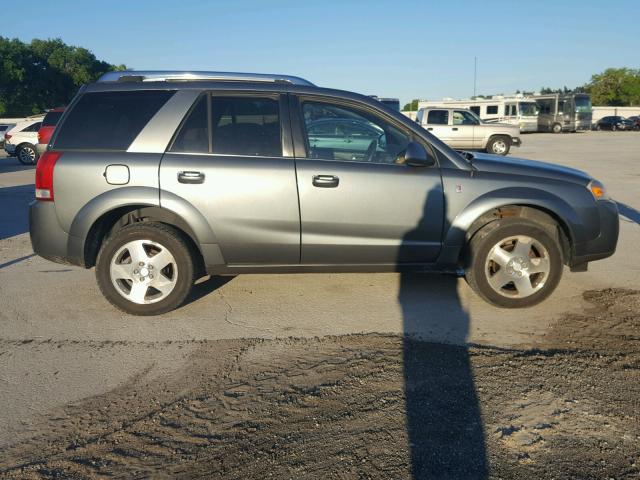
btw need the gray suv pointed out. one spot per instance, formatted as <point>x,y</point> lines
<point>159,178</point>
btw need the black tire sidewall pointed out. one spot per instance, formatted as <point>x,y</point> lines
<point>486,238</point>
<point>556,130</point>
<point>170,239</point>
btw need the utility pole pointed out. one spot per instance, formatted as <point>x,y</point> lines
<point>475,75</point>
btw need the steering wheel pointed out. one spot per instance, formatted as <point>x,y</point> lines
<point>371,151</point>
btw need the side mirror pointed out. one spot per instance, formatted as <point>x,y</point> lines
<point>416,156</point>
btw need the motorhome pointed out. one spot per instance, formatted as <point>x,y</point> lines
<point>514,110</point>
<point>390,102</point>
<point>563,112</point>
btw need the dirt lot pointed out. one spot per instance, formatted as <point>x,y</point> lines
<point>403,377</point>
<point>367,406</point>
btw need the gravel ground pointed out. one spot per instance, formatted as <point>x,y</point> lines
<point>367,406</point>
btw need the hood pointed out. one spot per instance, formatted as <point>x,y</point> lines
<point>484,162</point>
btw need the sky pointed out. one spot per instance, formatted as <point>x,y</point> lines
<point>406,49</point>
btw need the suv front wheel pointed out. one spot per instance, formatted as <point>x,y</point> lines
<point>513,263</point>
<point>145,269</point>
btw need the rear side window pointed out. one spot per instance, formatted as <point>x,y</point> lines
<point>51,119</point>
<point>247,126</point>
<point>492,109</point>
<point>438,117</point>
<point>194,133</point>
<point>34,127</point>
<point>109,120</point>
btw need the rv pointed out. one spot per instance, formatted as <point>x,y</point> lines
<point>516,110</point>
<point>390,102</point>
<point>564,112</point>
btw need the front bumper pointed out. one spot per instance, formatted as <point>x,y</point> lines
<point>48,239</point>
<point>604,245</point>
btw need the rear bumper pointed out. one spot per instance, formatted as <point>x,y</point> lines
<point>604,245</point>
<point>48,239</point>
<point>10,149</point>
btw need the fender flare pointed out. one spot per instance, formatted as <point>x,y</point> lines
<point>522,196</point>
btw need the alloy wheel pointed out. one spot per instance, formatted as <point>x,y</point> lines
<point>517,267</point>
<point>143,271</point>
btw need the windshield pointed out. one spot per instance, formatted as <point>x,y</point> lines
<point>583,103</point>
<point>528,109</point>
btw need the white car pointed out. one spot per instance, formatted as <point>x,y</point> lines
<point>21,141</point>
<point>462,129</point>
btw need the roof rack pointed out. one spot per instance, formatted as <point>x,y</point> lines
<point>182,76</point>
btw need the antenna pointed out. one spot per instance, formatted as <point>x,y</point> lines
<point>475,74</point>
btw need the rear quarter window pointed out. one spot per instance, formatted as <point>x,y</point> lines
<point>109,120</point>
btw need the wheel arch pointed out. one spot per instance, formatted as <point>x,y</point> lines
<point>100,217</point>
<point>538,206</point>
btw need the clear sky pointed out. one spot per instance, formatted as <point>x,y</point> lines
<point>406,49</point>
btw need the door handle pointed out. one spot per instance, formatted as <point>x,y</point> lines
<point>325,181</point>
<point>430,128</point>
<point>455,129</point>
<point>190,177</point>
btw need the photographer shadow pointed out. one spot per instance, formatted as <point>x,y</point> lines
<point>443,416</point>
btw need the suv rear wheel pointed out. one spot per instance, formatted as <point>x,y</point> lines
<point>499,145</point>
<point>145,269</point>
<point>514,263</point>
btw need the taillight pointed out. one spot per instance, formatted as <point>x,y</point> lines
<point>7,136</point>
<point>44,175</point>
<point>40,136</point>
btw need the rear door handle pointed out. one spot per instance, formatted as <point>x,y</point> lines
<point>430,128</point>
<point>455,129</point>
<point>325,181</point>
<point>190,177</point>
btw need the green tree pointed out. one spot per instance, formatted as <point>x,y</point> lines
<point>411,106</point>
<point>43,74</point>
<point>615,87</point>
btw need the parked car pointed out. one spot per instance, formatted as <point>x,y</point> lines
<point>21,141</point>
<point>49,123</point>
<point>460,128</point>
<point>635,121</point>
<point>4,128</point>
<point>158,182</point>
<point>614,123</point>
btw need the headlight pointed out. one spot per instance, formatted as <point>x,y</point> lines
<point>597,190</point>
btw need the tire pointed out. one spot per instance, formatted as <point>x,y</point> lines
<point>598,128</point>
<point>139,258</point>
<point>515,287</point>
<point>499,145</point>
<point>27,154</point>
<point>613,128</point>
<point>556,128</point>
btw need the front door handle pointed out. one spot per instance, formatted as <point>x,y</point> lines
<point>325,181</point>
<point>455,129</point>
<point>191,177</point>
<point>430,128</point>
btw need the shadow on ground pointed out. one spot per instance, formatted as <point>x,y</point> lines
<point>14,202</point>
<point>443,418</point>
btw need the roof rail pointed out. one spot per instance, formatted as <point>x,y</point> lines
<point>182,76</point>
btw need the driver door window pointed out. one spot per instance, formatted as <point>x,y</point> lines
<point>340,133</point>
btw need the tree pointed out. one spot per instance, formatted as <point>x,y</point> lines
<point>615,87</point>
<point>412,106</point>
<point>44,74</point>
